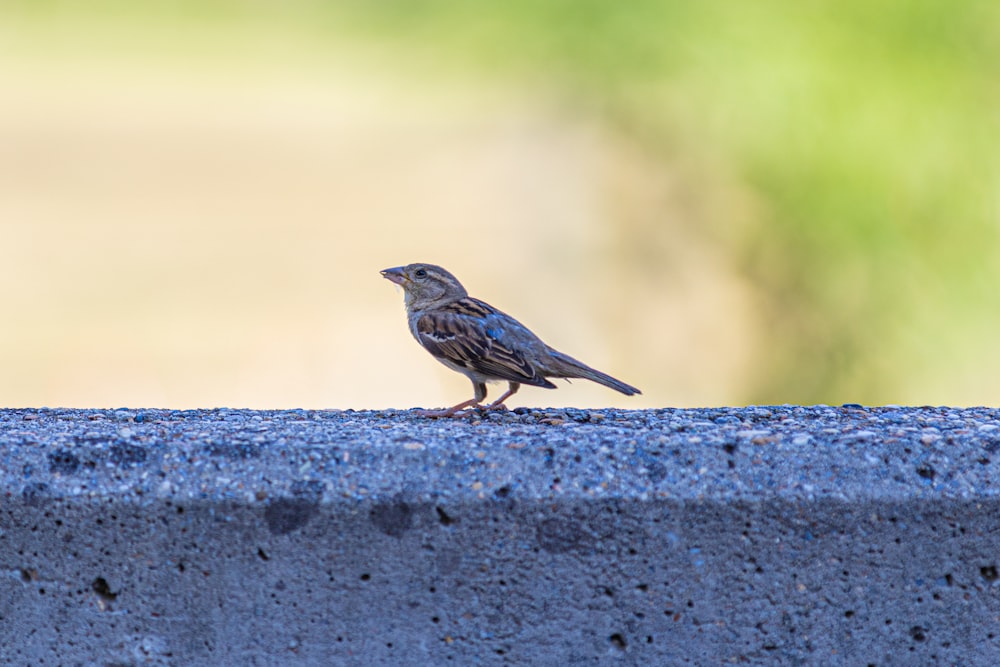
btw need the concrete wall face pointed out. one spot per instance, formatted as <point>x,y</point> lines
<point>120,563</point>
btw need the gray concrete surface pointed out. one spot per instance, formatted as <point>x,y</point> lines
<point>764,535</point>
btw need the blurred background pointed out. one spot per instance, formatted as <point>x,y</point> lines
<point>719,202</point>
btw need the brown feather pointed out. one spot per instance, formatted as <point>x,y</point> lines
<point>455,333</point>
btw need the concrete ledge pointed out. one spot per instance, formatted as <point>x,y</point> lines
<point>778,535</point>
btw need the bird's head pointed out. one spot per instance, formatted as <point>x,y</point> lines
<point>426,285</point>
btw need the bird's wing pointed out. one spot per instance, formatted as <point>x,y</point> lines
<point>470,334</point>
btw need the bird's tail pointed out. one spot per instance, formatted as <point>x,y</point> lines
<point>566,366</point>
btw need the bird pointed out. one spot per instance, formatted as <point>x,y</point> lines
<point>481,342</point>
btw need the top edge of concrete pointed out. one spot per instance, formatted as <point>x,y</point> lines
<point>710,454</point>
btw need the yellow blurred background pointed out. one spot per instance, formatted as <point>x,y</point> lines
<point>718,202</point>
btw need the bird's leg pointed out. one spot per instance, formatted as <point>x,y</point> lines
<point>459,410</point>
<point>514,386</point>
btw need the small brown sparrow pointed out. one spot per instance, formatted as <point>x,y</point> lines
<point>474,338</point>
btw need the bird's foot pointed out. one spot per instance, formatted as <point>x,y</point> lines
<point>463,410</point>
<point>441,414</point>
<point>460,410</point>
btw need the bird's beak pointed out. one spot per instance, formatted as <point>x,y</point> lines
<point>395,275</point>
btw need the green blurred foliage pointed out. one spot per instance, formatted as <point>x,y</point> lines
<point>863,134</point>
<point>867,133</point>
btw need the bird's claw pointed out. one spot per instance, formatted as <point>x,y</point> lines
<point>454,413</point>
<point>449,413</point>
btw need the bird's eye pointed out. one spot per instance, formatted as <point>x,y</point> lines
<point>420,273</point>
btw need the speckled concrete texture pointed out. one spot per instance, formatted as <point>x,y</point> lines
<point>765,535</point>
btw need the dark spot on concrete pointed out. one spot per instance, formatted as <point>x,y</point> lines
<point>35,493</point>
<point>918,633</point>
<point>262,554</point>
<point>124,454</point>
<point>63,461</point>
<point>927,472</point>
<point>618,640</point>
<point>393,519</point>
<point>989,573</point>
<point>444,517</point>
<point>559,536</point>
<point>103,590</point>
<point>285,515</point>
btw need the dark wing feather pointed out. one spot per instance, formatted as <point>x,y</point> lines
<point>459,333</point>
